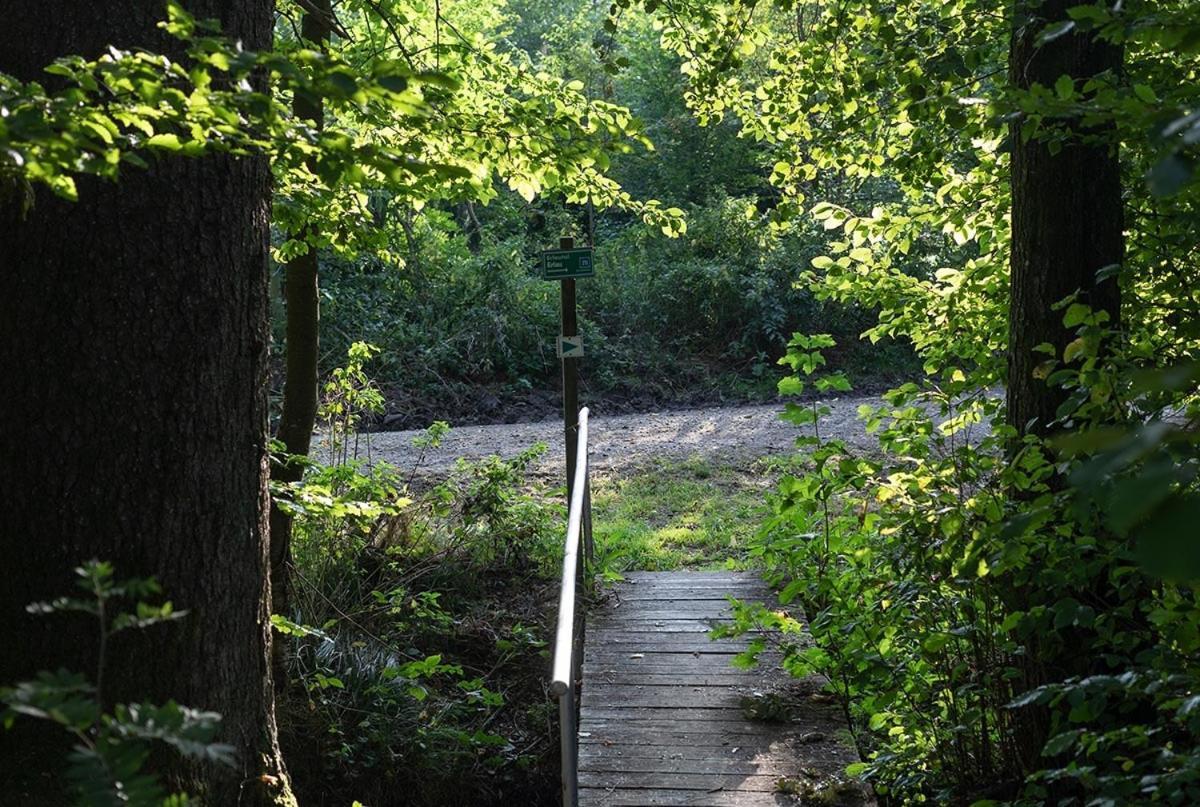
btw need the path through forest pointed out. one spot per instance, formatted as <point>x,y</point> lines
<point>621,441</point>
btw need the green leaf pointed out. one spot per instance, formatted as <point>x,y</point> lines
<point>856,769</point>
<point>790,385</point>
<point>1064,88</point>
<point>798,415</point>
<point>1074,349</point>
<point>1145,93</point>
<point>1060,743</point>
<point>836,382</point>
<point>1076,314</point>
<point>167,141</point>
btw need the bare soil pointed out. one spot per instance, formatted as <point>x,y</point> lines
<point>621,442</point>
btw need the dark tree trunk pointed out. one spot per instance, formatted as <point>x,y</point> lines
<point>303,312</point>
<point>133,426</point>
<point>1067,216</point>
<point>1067,224</point>
<point>470,224</point>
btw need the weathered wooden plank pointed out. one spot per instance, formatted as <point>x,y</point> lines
<point>689,574</point>
<point>762,766</point>
<point>677,594</point>
<point>665,656</point>
<point>667,696</point>
<point>714,590</point>
<point>711,664</point>
<point>707,588</point>
<point>709,742</point>
<point>702,626</point>
<point>714,720</point>
<point>651,663</point>
<point>633,579</point>
<point>698,630</point>
<point>679,719</point>
<point>680,679</point>
<point>709,614</point>
<point>646,672</point>
<point>607,636</point>
<point>662,739</point>
<point>653,625</point>
<point>609,655</point>
<point>665,734</point>
<point>623,646</point>
<point>745,751</point>
<point>614,644</point>
<point>682,605</point>
<point>679,781</point>
<point>714,595</point>
<point>632,645</point>
<point>649,666</point>
<point>657,797</point>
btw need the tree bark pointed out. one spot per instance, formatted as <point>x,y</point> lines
<point>303,312</point>
<point>1067,224</point>
<point>133,347</point>
<point>1067,214</point>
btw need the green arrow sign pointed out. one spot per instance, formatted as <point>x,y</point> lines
<point>562,264</point>
<point>570,347</point>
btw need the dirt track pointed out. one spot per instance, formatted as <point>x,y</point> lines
<point>622,441</point>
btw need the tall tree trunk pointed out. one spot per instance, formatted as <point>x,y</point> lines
<point>133,336</point>
<point>1067,224</point>
<point>303,312</point>
<point>1067,214</point>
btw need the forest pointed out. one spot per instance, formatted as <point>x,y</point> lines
<point>895,311</point>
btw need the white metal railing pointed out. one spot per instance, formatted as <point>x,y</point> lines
<point>567,656</point>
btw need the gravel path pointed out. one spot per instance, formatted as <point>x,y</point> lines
<point>620,442</point>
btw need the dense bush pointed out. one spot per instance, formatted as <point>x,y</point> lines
<point>965,600</point>
<point>699,317</point>
<point>417,624</point>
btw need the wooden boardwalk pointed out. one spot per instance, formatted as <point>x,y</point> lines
<point>666,720</point>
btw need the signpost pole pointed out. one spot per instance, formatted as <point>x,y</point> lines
<point>570,371</point>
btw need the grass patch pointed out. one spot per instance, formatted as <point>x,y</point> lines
<point>669,514</point>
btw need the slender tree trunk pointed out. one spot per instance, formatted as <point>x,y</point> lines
<point>303,311</point>
<point>133,336</point>
<point>1067,214</point>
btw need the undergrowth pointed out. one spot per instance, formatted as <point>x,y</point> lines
<point>418,626</point>
<point>466,328</point>
<point>1003,622</point>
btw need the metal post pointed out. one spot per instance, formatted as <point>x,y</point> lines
<point>568,637</point>
<point>570,372</point>
<point>589,548</point>
<point>568,748</point>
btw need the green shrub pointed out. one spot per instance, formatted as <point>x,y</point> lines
<point>701,316</point>
<point>994,633</point>
<point>107,765</point>
<point>415,633</point>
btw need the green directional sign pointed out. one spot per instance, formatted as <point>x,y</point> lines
<point>563,264</point>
